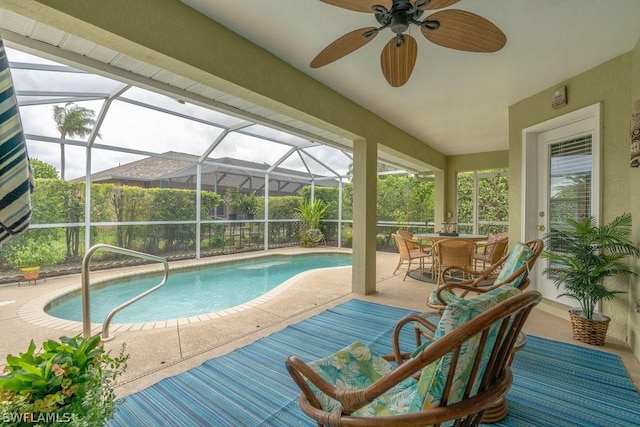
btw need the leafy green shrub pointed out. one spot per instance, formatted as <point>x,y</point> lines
<point>39,251</point>
<point>70,382</point>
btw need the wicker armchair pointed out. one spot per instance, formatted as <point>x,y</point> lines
<point>408,253</point>
<point>462,371</point>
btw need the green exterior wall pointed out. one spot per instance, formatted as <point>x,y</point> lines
<point>610,84</point>
<point>634,207</point>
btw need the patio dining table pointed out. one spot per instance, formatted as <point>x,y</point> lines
<point>434,237</point>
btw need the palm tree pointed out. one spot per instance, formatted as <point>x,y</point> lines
<point>72,120</point>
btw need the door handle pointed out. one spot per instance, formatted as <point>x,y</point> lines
<point>540,227</point>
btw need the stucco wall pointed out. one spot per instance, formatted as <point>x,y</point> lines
<point>634,207</point>
<point>610,84</point>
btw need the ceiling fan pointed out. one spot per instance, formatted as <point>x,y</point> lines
<point>451,28</point>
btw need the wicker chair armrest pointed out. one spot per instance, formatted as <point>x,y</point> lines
<point>299,370</point>
<point>462,288</point>
<point>481,246</point>
<point>478,277</point>
<point>397,355</point>
<point>465,270</point>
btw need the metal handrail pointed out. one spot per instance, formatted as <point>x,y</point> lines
<point>86,312</point>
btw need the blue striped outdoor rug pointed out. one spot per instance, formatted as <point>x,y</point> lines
<point>556,384</point>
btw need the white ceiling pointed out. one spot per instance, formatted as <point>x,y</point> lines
<point>455,101</point>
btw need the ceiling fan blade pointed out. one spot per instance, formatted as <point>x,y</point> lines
<point>398,62</point>
<point>466,31</point>
<point>438,4</point>
<point>344,46</point>
<point>360,5</point>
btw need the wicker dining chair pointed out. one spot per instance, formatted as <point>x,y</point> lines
<point>423,245</point>
<point>490,251</point>
<point>459,374</point>
<point>408,255</point>
<point>453,252</point>
<point>408,236</point>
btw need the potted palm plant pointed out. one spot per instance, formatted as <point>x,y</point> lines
<point>311,214</point>
<point>581,256</point>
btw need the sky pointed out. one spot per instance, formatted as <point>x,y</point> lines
<point>131,126</point>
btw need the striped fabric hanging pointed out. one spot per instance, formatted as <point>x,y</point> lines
<point>16,179</point>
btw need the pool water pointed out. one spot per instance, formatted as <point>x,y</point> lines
<point>197,291</point>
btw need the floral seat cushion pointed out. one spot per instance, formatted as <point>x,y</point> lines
<point>356,367</point>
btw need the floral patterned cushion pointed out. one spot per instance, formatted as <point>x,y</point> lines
<point>356,367</point>
<point>518,256</point>
<point>434,376</point>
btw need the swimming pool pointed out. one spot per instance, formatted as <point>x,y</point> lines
<point>193,291</point>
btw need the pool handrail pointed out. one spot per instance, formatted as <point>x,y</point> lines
<point>86,307</point>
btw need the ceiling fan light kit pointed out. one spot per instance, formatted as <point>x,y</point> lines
<point>451,28</point>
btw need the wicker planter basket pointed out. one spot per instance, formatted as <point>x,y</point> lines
<point>589,331</point>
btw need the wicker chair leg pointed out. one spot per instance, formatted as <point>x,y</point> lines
<point>397,267</point>
<point>407,272</point>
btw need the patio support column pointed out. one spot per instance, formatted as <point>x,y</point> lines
<point>440,200</point>
<point>198,208</point>
<point>266,211</point>
<point>340,185</point>
<point>365,155</point>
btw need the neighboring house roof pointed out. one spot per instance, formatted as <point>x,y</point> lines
<point>147,169</point>
<point>231,172</point>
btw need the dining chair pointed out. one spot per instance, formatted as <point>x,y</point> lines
<point>491,250</point>
<point>408,253</point>
<point>452,252</point>
<point>413,242</point>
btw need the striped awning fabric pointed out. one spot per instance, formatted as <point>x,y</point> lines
<point>16,179</point>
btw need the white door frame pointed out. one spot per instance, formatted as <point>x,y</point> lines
<point>529,189</point>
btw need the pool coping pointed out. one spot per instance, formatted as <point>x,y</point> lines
<point>33,311</point>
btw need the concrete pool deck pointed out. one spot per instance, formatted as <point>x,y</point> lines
<point>162,349</point>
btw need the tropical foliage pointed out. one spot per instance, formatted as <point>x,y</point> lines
<point>311,212</point>
<point>55,200</point>
<point>68,382</point>
<point>492,200</point>
<point>404,198</point>
<point>168,216</point>
<point>583,254</point>
<point>43,169</point>
<point>240,202</point>
<point>74,121</point>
